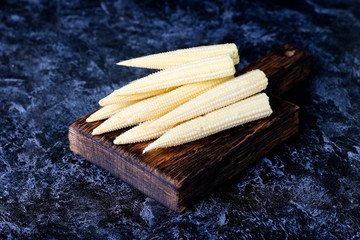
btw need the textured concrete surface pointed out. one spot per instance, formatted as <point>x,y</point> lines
<point>57,59</point>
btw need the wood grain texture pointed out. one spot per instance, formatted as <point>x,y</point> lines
<point>286,67</point>
<point>178,176</point>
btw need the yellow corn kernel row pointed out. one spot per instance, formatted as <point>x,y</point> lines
<point>174,58</point>
<point>217,97</point>
<point>113,98</point>
<point>108,111</point>
<point>171,100</point>
<point>250,109</point>
<point>140,133</point>
<point>197,71</point>
<point>155,107</point>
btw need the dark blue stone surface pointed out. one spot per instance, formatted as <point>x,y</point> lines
<point>57,60</point>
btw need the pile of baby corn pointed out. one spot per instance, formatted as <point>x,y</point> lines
<point>193,96</point>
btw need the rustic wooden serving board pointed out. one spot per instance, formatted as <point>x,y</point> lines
<point>178,176</point>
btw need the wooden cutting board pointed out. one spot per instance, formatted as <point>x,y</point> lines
<point>179,176</point>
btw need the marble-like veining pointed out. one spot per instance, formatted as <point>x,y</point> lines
<point>57,59</point>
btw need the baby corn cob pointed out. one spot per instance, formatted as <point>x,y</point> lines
<point>250,109</point>
<point>173,99</point>
<point>113,98</point>
<point>120,119</point>
<point>173,58</point>
<point>154,107</point>
<point>108,111</point>
<point>222,95</point>
<point>197,71</point>
<point>140,133</point>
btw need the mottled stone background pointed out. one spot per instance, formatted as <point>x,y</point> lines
<point>57,59</point>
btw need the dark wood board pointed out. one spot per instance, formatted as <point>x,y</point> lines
<point>179,176</point>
